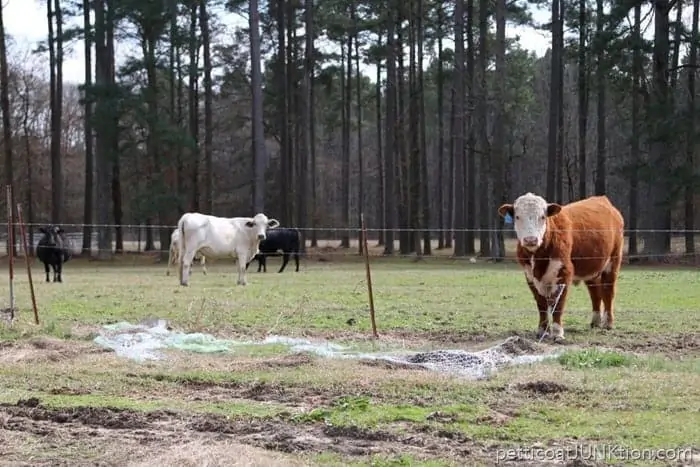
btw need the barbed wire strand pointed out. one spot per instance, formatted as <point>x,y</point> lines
<point>349,254</point>
<point>504,229</point>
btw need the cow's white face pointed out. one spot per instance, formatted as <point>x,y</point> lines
<point>529,213</point>
<point>259,225</point>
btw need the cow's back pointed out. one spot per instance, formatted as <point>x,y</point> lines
<point>597,232</point>
<point>213,236</point>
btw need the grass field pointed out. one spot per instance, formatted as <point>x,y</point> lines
<point>65,400</point>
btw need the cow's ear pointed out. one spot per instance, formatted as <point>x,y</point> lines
<point>273,223</point>
<point>250,224</point>
<point>553,209</point>
<point>506,209</point>
<point>60,230</point>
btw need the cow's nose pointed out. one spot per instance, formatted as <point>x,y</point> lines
<point>530,241</point>
<point>261,236</point>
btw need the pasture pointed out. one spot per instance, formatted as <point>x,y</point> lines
<point>65,399</point>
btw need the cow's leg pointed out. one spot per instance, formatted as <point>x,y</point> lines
<point>557,325</point>
<point>285,260</point>
<point>204,264</point>
<point>170,260</point>
<point>542,307</point>
<point>609,283</point>
<point>242,260</point>
<point>296,259</point>
<point>47,268</point>
<point>186,266</point>
<point>261,260</point>
<point>59,270</point>
<point>595,291</point>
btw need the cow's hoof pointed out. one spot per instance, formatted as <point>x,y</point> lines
<point>241,283</point>
<point>559,340</point>
<point>541,333</point>
<point>184,284</point>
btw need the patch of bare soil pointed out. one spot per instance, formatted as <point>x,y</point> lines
<point>687,344</point>
<point>44,349</point>
<point>139,434</point>
<point>542,387</point>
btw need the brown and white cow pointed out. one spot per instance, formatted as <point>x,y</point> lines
<point>579,241</point>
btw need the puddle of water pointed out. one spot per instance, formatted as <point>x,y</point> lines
<point>141,342</point>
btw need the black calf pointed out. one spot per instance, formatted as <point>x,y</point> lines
<point>287,240</point>
<point>53,250</point>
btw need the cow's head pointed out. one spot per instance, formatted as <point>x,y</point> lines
<point>52,235</point>
<point>529,213</point>
<point>260,223</point>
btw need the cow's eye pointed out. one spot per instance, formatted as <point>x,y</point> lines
<point>517,218</point>
<point>542,218</point>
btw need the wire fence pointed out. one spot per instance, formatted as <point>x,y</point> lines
<point>328,245</point>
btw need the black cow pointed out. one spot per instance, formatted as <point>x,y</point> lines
<point>287,240</point>
<point>53,250</point>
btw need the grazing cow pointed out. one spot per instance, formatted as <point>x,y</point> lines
<point>287,240</point>
<point>579,241</point>
<point>174,255</point>
<point>221,237</point>
<point>53,250</point>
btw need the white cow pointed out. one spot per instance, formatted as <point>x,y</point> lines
<point>221,237</point>
<point>174,256</point>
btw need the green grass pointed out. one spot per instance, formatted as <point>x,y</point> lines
<point>606,387</point>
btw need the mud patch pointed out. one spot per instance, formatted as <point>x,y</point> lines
<point>687,344</point>
<point>163,429</point>
<point>542,387</point>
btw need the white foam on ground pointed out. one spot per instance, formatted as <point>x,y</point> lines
<point>142,342</point>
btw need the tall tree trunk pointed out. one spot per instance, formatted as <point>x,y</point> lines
<point>485,213</point>
<point>380,156</point>
<point>405,245</point>
<point>637,71</point>
<point>308,110</point>
<point>582,100</point>
<point>56,99</point>
<point>553,104</point>
<point>499,131</point>
<point>358,116</point>
<point>414,136</point>
<point>601,70</point>
<point>690,136</point>
<point>208,118</point>
<point>116,189</point>
<point>458,129</point>
<point>258,135</point>
<point>26,101</point>
<point>103,133</point>
<point>193,100</point>
<point>88,204</point>
<point>346,84</point>
<point>390,132</point>
<point>469,178</point>
<point>442,225</point>
<point>658,242</point>
<point>283,89</point>
<point>424,176</point>
<point>561,159</point>
<point>451,176</point>
<point>6,122</point>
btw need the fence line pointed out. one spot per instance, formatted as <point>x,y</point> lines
<point>352,252</point>
<point>505,228</point>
